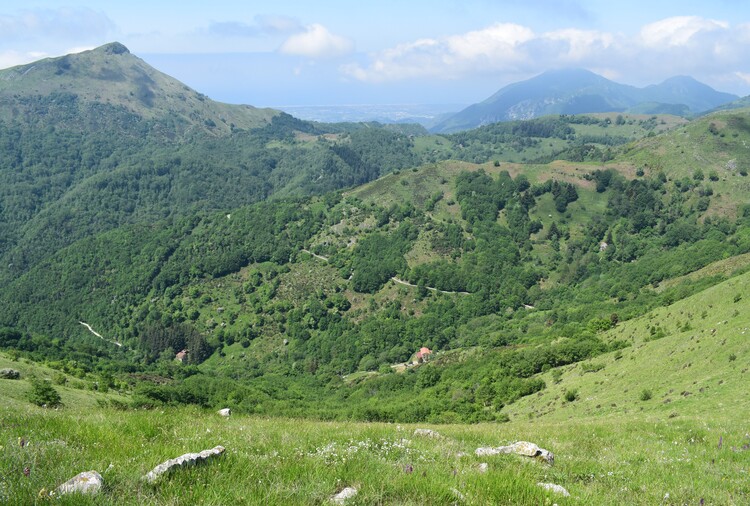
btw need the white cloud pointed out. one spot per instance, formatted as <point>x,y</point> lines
<point>712,50</point>
<point>12,58</point>
<point>499,41</point>
<point>580,43</point>
<point>317,42</point>
<point>679,30</point>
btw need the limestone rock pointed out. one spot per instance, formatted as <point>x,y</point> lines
<point>483,467</point>
<point>555,488</point>
<point>225,412</point>
<point>87,482</point>
<point>345,494</point>
<point>9,374</point>
<point>523,448</point>
<point>188,459</point>
<point>426,433</point>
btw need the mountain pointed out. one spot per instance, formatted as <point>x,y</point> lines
<point>97,140</point>
<point>110,75</point>
<point>684,90</point>
<point>577,91</point>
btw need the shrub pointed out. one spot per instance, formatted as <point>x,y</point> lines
<point>646,394</point>
<point>571,395</point>
<point>43,393</point>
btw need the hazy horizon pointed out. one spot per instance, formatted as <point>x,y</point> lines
<point>437,52</point>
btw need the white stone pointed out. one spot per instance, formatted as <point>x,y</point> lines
<point>520,448</point>
<point>426,433</point>
<point>225,412</point>
<point>555,488</point>
<point>458,495</point>
<point>184,460</point>
<point>88,482</point>
<point>345,494</point>
<point>484,467</point>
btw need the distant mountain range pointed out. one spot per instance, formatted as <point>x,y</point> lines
<point>577,91</point>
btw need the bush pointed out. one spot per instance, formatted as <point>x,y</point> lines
<point>571,395</point>
<point>44,394</point>
<point>646,395</point>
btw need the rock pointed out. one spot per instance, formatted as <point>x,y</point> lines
<point>345,494</point>
<point>225,412</point>
<point>426,433</point>
<point>9,374</point>
<point>188,459</point>
<point>458,495</point>
<point>523,448</point>
<point>88,482</point>
<point>555,488</point>
<point>484,467</point>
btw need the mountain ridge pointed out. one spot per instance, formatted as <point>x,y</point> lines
<point>111,75</point>
<point>578,91</point>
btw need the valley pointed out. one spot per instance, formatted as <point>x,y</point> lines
<point>580,281</point>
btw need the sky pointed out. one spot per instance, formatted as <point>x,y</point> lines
<point>336,52</point>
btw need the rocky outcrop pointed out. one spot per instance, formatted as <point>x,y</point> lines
<point>88,482</point>
<point>188,459</point>
<point>555,488</point>
<point>345,494</point>
<point>225,412</point>
<point>9,374</point>
<point>523,448</point>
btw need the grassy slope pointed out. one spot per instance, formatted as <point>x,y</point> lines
<point>611,447</point>
<point>719,141</point>
<point>110,74</point>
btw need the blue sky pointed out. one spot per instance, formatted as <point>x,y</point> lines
<point>293,52</point>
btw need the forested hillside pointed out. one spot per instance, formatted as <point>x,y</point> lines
<point>292,306</point>
<point>295,268</point>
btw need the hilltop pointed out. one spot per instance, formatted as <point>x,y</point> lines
<point>112,77</point>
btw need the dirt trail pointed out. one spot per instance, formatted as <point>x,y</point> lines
<point>97,334</point>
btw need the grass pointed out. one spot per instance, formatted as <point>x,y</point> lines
<point>660,422</point>
<point>615,460</point>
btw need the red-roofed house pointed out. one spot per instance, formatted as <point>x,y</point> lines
<point>422,355</point>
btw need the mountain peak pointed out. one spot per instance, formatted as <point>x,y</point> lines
<point>113,48</point>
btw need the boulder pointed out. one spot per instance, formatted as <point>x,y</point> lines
<point>555,488</point>
<point>426,433</point>
<point>483,467</point>
<point>188,459</point>
<point>225,412</point>
<point>9,374</point>
<point>523,448</point>
<point>88,482</point>
<point>345,494</point>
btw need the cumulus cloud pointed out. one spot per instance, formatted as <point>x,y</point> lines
<point>679,45</point>
<point>679,30</point>
<point>317,42</point>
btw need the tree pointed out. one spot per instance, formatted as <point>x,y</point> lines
<point>44,394</point>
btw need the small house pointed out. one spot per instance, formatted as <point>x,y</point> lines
<point>422,355</point>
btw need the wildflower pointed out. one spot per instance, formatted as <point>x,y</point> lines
<point>721,440</point>
<point>26,471</point>
<point>408,469</point>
